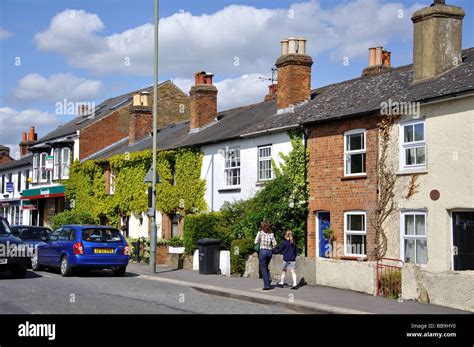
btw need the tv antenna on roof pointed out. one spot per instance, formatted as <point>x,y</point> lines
<point>273,79</point>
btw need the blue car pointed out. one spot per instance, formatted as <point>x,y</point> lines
<point>83,247</point>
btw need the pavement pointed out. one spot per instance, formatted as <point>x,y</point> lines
<point>307,299</point>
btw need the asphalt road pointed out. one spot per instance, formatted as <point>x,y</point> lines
<point>98,292</point>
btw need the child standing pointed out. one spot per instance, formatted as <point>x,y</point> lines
<point>288,250</point>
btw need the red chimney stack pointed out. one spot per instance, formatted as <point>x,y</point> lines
<point>26,141</point>
<point>203,104</point>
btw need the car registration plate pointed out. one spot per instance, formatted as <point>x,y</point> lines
<point>3,261</point>
<point>103,250</point>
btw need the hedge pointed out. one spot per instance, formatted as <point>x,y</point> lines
<point>239,250</point>
<point>205,225</point>
<point>71,217</point>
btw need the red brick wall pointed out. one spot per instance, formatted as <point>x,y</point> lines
<point>294,79</point>
<point>329,190</point>
<point>104,132</point>
<point>166,226</point>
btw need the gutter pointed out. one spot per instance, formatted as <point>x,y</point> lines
<point>305,141</point>
<point>272,130</point>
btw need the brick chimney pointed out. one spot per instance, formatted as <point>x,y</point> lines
<point>26,141</point>
<point>437,39</point>
<point>141,118</point>
<point>379,61</point>
<point>272,92</point>
<point>83,110</point>
<point>203,103</point>
<point>294,73</point>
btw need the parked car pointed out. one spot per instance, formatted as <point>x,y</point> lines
<point>15,262</point>
<point>30,235</point>
<point>84,247</point>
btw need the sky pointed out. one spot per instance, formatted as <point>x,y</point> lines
<point>53,51</point>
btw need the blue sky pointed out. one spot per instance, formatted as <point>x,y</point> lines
<point>78,49</point>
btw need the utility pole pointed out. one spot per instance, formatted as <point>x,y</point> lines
<point>155,117</point>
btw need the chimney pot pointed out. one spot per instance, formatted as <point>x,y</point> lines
<point>301,45</point>
<point>371,56</point>
<point>292,45</point>
<point>378,56</point>
<point>284,47</point>
<point>32,134</point>
<point>23,136</point>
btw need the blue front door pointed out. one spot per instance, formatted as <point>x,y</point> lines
<point>323,223</point>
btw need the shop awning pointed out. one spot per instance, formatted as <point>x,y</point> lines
<point>43,193</point>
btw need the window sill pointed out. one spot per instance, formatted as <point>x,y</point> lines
<point>408,172</point>
<point>355,177</point>
<point>261,183</point>
<point>235,189</point>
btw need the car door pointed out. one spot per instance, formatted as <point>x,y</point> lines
<point>59,246</point>
<point>45,252</point>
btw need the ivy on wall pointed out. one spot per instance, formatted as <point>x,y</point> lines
<point>181,188</point>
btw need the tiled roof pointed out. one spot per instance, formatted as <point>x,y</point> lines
<point>25,161</point>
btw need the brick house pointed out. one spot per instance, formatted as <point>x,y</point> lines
<point>93,129</point>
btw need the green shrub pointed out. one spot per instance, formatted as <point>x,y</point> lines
<point>71,217</point>
<point>175,241</point>
<point>275,203</point>
<point>239,250</point>
<point>144,249</point>
<point>205,225</point>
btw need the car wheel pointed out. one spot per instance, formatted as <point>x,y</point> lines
<point>65,268</point>
<point>35,265</point>
<point>20,273</point>
<point>119,271</point>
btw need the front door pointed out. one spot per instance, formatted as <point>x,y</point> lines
<point>463,240</point>
<point>323,223</point>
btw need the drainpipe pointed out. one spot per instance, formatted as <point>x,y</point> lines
<point>305,141</point>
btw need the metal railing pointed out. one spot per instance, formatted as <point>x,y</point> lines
<point>389,278</point>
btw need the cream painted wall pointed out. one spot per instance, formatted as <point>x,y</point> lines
<point>449,136</point>
<point>139,225</point>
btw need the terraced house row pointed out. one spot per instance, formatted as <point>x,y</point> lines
<point>391,151</point>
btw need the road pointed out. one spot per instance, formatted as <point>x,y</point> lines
<point>46,292</point>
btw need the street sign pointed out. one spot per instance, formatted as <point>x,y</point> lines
<point>10,187</point>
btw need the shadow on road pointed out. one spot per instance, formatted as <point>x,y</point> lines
<point>91,273</point>
<point>6,275</point>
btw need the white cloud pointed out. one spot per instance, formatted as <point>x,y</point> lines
<point>4,34</point>
<point>213,41</point>
<point>13,123</point>
<point>234,92</point>
<point>56,87</point>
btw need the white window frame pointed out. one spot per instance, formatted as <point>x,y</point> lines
<point>355,232</point>
<point>35,167</point>
<point>65,164</point>
<point>348,153</point>
<point>231,168</point>
<point>414,144</point>
<point>263,159</point>
<point>42,167</point>
<point>57,163</point>
<point>404,237</point>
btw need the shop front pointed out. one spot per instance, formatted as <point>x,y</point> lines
<point>43,203</point>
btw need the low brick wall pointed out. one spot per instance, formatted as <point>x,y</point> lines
<point>162,255</point>
<point>449,288</point>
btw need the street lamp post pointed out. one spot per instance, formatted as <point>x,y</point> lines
<point>155,116</point>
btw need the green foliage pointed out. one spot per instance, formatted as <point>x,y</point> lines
<point>329,233</point>
<point>390,283</point>
<point>175,241</point>
<point>205,225</point>
<point>239,250</point>
<point>141,245</point>
<point>282,201</point>
<point>184,194</point>
<point>71,217</point>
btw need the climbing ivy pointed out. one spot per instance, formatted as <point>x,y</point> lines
<point>181,188</point>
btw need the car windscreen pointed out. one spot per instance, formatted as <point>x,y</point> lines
<point>29,233</point>
<point>101,235</point>
<point>4,228</point>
